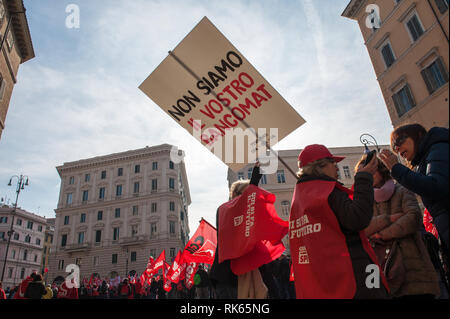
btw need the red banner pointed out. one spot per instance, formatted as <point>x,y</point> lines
<point>247,220</point>
<point>201,248</point>
<point>159,263</point>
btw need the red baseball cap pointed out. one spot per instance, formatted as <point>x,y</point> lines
<point>315,152</point>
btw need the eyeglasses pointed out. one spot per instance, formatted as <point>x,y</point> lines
<point>398,142</point>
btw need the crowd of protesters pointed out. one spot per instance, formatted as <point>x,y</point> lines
<point>379,221</point>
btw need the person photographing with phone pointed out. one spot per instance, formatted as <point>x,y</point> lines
<point>330,252</point>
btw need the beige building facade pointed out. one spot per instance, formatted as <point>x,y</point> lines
<point>282,183</point>
<point>115,211</point>
<point>26,245</point>
<point>17,48</point>
<point>407,41</point>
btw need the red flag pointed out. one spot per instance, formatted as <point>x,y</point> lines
<point>167,283</point>
<point>247,220</point>
<point>178,269</point>
<point>191,269</point>
<point>428,223</point>
<point>159,263</point>
<point>201,248</point>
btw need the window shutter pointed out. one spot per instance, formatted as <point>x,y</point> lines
<point>442,5</point>
<point>441,67</point>
<point>398,104</point>
<point>426,78</point>
<point>408,91</point>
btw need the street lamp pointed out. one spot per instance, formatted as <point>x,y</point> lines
<point>22,181</point>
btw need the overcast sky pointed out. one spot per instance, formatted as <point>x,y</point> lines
<point>79,97</point>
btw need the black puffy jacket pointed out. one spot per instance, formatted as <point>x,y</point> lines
<point>429,179</point>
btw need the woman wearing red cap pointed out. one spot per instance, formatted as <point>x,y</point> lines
<point>331,255</point>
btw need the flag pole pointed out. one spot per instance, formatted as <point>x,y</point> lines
<point>229,109</point>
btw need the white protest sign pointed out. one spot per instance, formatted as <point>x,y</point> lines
<point>209,88</point>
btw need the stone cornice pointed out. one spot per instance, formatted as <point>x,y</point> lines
<point>352,9</point>
<point>101,161</point>
<point>21,30</point>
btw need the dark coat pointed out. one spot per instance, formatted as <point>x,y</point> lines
<point>354,216</point>
<point>35,290</point>
<point>430,178</point>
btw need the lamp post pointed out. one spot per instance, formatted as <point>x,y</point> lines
<point>364,141</point>
<point>22,181</point>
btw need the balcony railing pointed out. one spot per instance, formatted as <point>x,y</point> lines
<point>75,247</point>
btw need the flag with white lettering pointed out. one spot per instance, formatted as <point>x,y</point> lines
<point>190,271</point>
<point>201,248</point>
<point>247,220</point>
<point>159,262</point>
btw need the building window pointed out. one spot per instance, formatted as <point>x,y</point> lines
<point>10,272</point>
<point>154,207</point>
<point>435,75</point>
<point>249,173</point>
<point>95,260</point>
<point>40,228</point>
<point>38,241</point>
<point>280,176</point>
<point>137,169</point>
<point>153,228</point>
<point>403,100</point>
<point>100,215</point>
<point>120,171</point>
<point>154,166</point>
<point>83,218</point>
<point>27,238</point>
<point>116,233</point>
<point>85,196</point>
<point>19,222</point>
<point>136,187</point>
<point>87,177</point>
<point>16,236</point>
<point>3,220</point>
<point>71,180</point>
<point>154,185</point>
<point>347,172</point>
<point>30,225</point>
<point>80,237</point>
<point>171,165</point>
<point>119,190</point>
<point>172,252</point>
<point>103,175</point>
<point>414,27</point>
<point>25,254</point>
<point>114,259</point>
<point>117,213</point>
<point>60,264</point>
<point>98,236</point>
<point>171,227</point>
<point>133,256</point>
<point>240,176</point>
<point>10,40</point>
<point>134,230</point>
<point>135,210</point>
<point>388,55</point>
<point>69,199</point>
<point>172,206</point>
<point>285,207</point>
<point>63,240</point>
<point>22,273</point>
<point>101,193</point>
<point>264,180</point>
<point>442,5</point>
<point>66,220</point>
<point>171,183</point>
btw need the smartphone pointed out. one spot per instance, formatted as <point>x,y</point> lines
<point>369,157</point>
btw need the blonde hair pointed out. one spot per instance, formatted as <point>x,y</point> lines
<point>314,168</point>
<point>238,187</point>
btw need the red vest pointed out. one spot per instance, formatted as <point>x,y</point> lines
<point>320,257</point>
